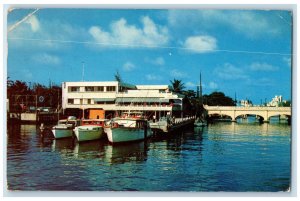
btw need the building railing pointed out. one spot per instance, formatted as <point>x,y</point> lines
<point>126,107</point>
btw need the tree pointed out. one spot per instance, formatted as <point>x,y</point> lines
<point>177,86</point>
<point>190,94</point>
<point>218,99</point>
<point>285,104</point>
<point>118,77</point>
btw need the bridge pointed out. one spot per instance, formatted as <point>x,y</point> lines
<point>235,112</point>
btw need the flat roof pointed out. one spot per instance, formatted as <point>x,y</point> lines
<point>90,83</point>
<point>152,86</point>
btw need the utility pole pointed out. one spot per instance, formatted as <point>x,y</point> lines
<point>235,99</point>
<point>200,91</point>
<point>82,71</point>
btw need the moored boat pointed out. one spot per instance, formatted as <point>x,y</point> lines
<point>128,119</point>
<point>131,126</point>
<point>64,127</point>
<point>161,125</point>
<point>90,129</point>
<point>117,133</point>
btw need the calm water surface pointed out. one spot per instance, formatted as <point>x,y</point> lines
<point>233,157</point>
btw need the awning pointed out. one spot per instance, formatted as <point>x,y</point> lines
<point>141,100</point>
<point>103,99</point>
<point>126,85</point>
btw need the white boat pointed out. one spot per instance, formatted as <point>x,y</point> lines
<point>64,127</point>
<point>90,129</point>
<point>161,125</point>
<point>128,119</point>
<point>117,133</point>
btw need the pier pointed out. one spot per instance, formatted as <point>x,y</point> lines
<point>169,125</point>
<point>180,123</point>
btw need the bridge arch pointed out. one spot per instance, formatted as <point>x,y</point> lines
<point>223,115</point>
<point>260,117</point>
<point>234,112</point>
<point>279,114</point>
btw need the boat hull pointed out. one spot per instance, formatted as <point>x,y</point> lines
<point>62,132</point>
<point>160,125</point>
<point>126,134</point>
<point>86,133</point>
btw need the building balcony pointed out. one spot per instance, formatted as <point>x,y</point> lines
<point>162,107</point>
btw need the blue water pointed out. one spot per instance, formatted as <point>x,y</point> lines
<point>231,157</point>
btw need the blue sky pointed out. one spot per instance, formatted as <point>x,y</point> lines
<point>247,52</point>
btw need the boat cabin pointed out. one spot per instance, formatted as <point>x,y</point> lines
<point>97,122</point>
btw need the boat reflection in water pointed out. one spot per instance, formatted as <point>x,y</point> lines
<point>64,145</point>
<point>89,149</point>
<point>129,152</point>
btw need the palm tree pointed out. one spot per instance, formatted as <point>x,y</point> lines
<point>118,77</point>
<point>177,86</point>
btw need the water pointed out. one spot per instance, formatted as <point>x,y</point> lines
<point>233,157</point>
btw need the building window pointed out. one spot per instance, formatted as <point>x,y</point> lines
<point>74,89</point>
<point>89,88</point>
<point>99,88</point>
<point>70,101</point>
<point>88,101</point>
<point>110,88</point>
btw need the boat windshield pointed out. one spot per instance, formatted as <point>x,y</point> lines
<point>64,121</point>
<point>132,115</point>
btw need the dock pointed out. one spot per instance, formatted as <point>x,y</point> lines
<point>170,125</point>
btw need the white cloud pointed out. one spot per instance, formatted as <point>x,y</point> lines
<point>46,59</point>
<point>200,44</point>
<point>230,72</point>
<point>288,61</point>
<point>190,84</point>
<point>249,22</point>
<point>44,34</point>
<point>159,61</point>
<point>262,82</point>
<point>128,66</point>
<point>262,67</point>
<point>152,77</point>
<point>125,35</point>
<point>34,23</point>
<point>213,85</point>
<point>177,74</point>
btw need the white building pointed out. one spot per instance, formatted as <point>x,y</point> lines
<point>112,96</point>
<point>246,103</point>
<point>275,101</point>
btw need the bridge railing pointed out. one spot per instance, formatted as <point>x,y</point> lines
<point>231,108</point>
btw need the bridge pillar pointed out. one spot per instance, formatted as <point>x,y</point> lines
<point>233,116</point>
<point>266,117</point>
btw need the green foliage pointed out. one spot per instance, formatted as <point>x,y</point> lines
<point>19,93</point>
<point>177,86</point>
<point>285,104</point>
<point>218,99</point>
<point>118,77</point>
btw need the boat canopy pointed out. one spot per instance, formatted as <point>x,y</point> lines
<point>103,99</point>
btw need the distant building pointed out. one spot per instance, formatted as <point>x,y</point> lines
<point>112,96</point>
<point>246,103</point>
<point>275,102</point>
